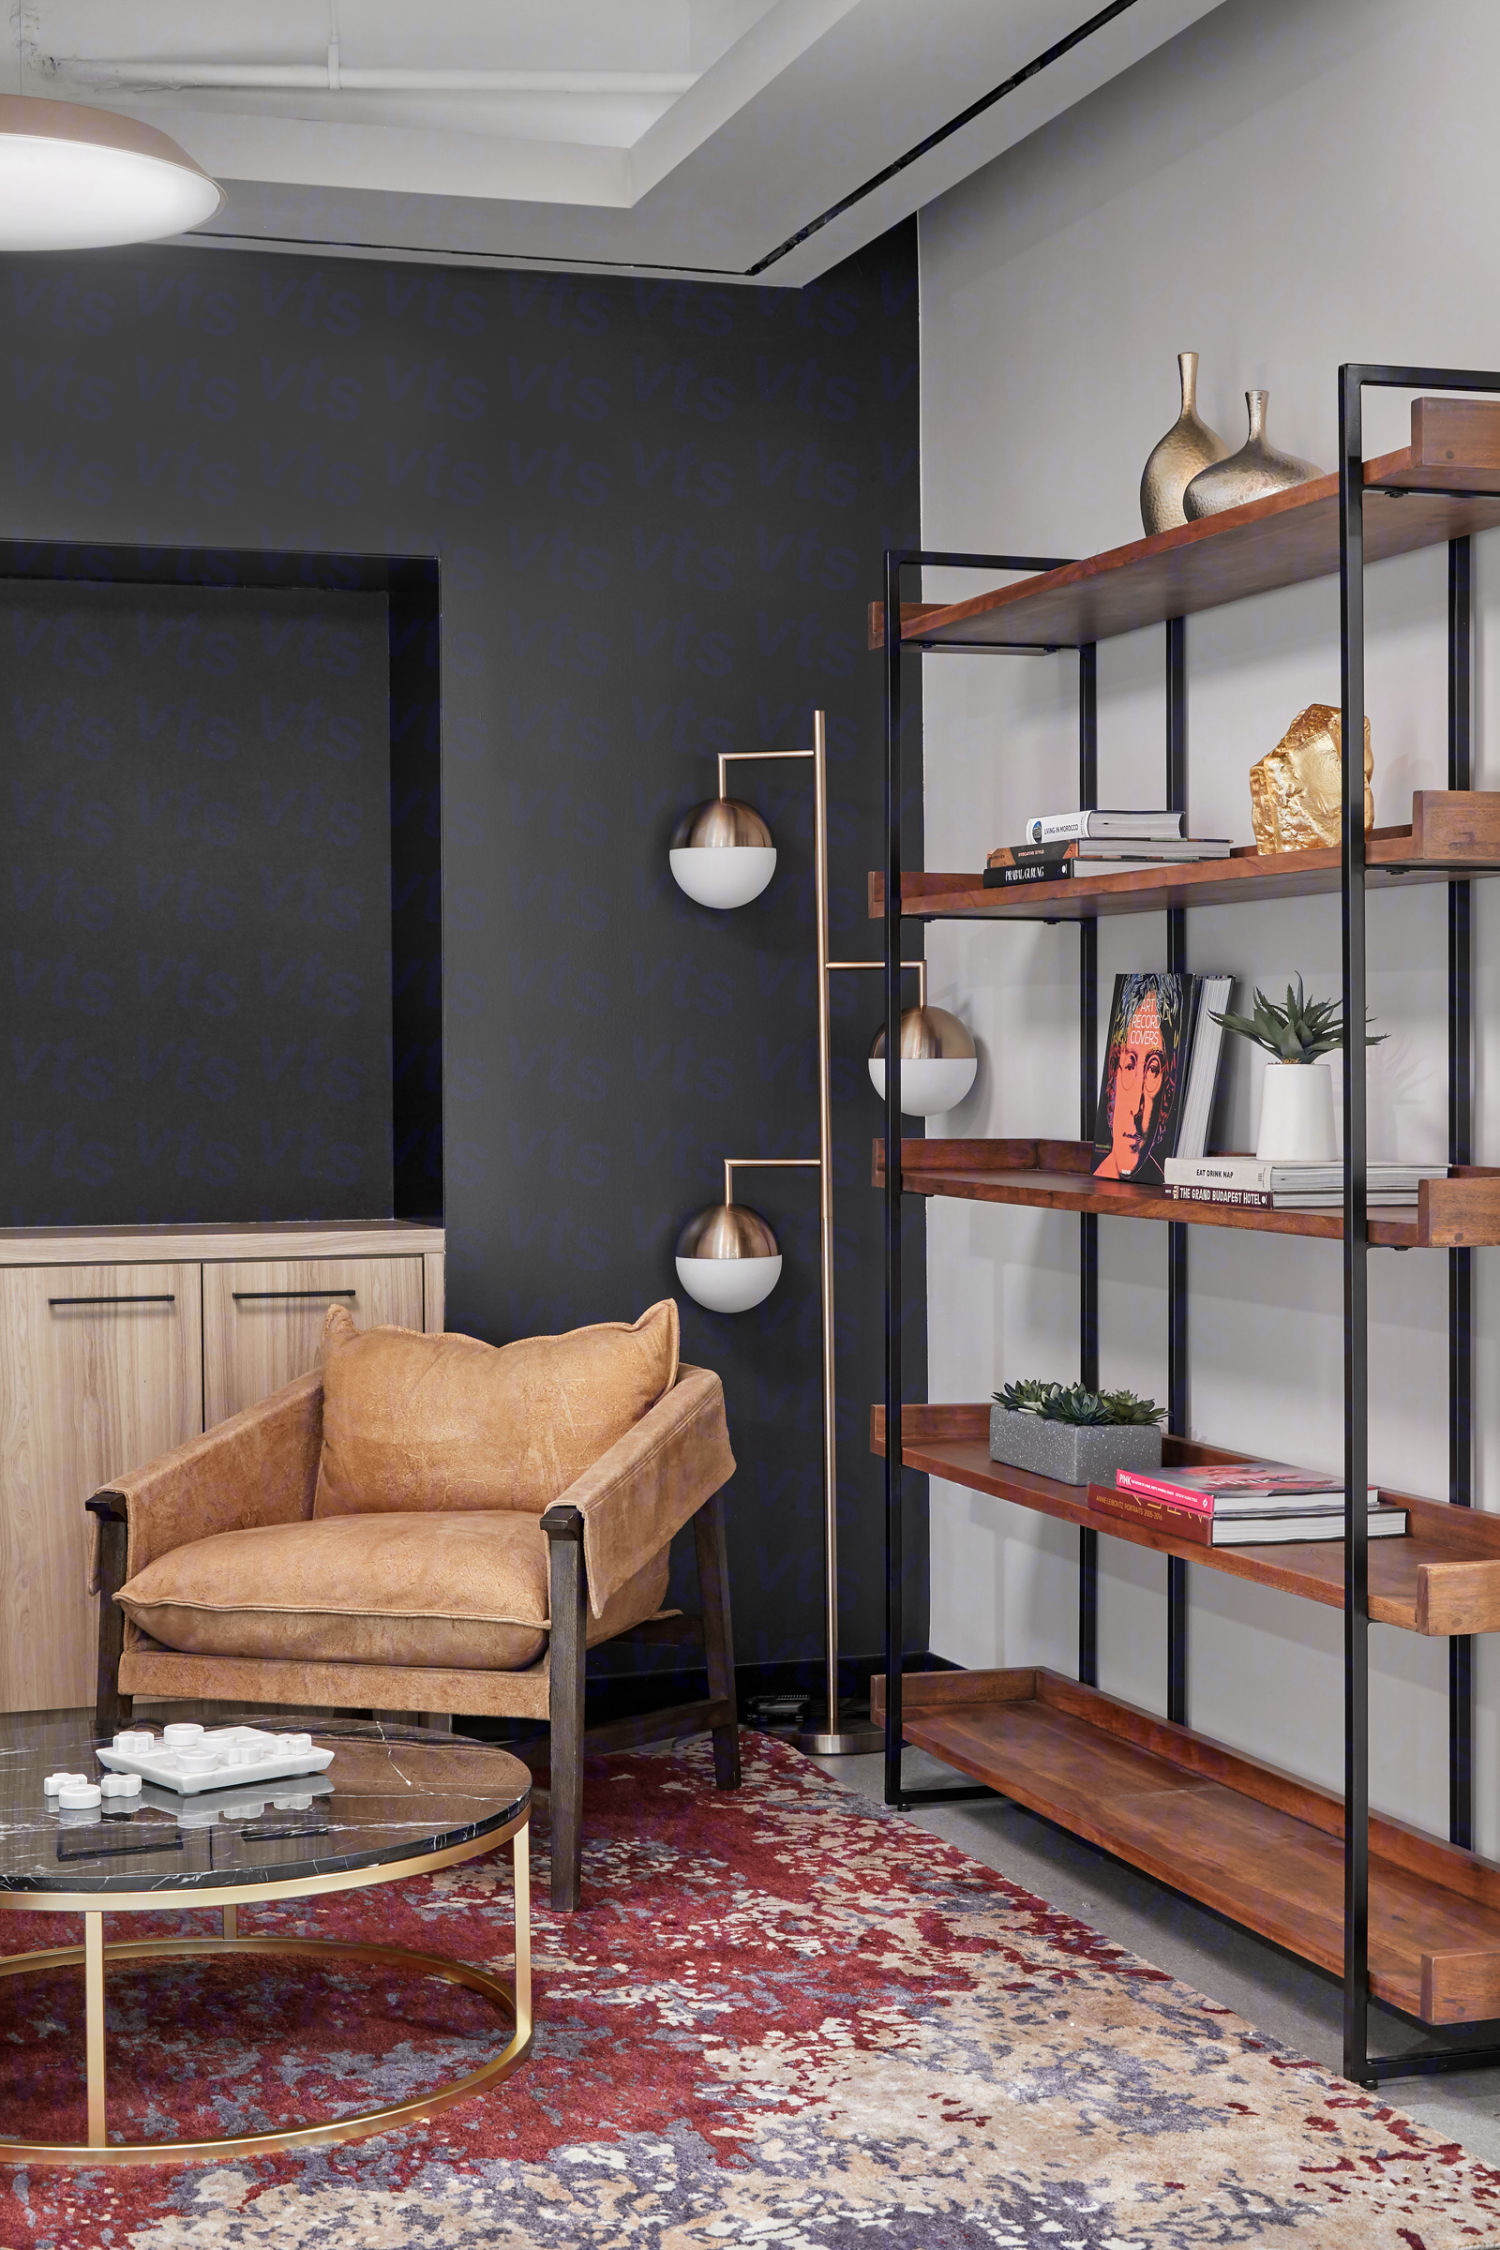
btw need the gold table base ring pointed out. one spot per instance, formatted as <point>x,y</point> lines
<point>409,2112</point>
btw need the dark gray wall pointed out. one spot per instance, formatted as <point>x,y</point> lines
<point>195,878</point>
<point>660,510</point>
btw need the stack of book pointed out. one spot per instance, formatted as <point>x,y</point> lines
<point>1240,1504</point>
<point>1097,842</point>
<point>1268,1184</point>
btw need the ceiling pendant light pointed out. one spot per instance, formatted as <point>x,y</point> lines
<point>86,179</point>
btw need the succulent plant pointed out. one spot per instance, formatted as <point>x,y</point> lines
<point>1298,1033</point>
<point>1058,1402</point>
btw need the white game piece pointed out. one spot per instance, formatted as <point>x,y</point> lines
<point>138,1742</point>
<point>77,1796</point>
<point>120,1784</point>
<point>183,1735</point>
<point>295,1745</point>
<point>56,1781</point>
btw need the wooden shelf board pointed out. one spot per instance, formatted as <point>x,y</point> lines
<point>1443,1577</point>
<point>1452,833</point>
<point>1462,1212</point>
<point>1421,496</point>
<point>1254,1844</point>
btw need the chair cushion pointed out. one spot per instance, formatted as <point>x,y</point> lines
<point>447,1422</point>
<point>466,1590</point>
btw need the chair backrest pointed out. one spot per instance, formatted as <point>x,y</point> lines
<point>413,1422</point>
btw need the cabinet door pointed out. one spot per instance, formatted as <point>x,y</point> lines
<point>262,1320</point>
<point>101,1370</point>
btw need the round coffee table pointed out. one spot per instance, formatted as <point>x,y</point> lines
<point>396,1801</point>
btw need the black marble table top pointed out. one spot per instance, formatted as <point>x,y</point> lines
<point>391,1793</point>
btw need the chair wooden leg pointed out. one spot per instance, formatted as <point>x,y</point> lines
<point>111,1709</point>
<point>718,1635</point>
<point>564,1529</point>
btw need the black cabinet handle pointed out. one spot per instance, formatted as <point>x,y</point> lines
<point>253,1296</point>
<point>168,1299</point>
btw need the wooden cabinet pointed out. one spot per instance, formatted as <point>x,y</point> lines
<point>262,1321</point>
<point>116,1347</point>
<point>101,1367</point>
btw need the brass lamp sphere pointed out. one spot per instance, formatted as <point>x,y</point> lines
<point>727,1258</point>
<point>938,1061</point>
<point>722,854</point>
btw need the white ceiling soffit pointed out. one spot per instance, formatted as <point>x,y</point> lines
<point>733,140</point>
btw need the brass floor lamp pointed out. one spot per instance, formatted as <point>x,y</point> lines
<point>723,856</point>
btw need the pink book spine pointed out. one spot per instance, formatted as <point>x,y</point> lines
<point>1156,1488</point>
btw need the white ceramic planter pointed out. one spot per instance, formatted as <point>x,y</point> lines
<point>1296,1114</point>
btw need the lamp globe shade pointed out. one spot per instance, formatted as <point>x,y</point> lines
<point>722,854</point>
<point>938,1062</point>
<point>73,178</point>
<point>727,1259</point>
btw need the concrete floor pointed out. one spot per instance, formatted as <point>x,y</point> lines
<point>1291,2002</point>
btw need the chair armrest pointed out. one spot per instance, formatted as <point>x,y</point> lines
<point>650,1483</point>
<point>259,1467</point>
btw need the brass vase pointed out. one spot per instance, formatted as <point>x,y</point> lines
<point>1189,445</point>
<point>1258,468</point>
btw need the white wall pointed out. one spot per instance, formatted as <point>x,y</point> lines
<point>1291,184</point>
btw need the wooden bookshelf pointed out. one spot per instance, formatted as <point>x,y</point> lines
<point>1451,832</point>
<point>1443,1577</point>
<point>1444,485</point>
<point>1243,1838</point>
<point>1459,1213</point>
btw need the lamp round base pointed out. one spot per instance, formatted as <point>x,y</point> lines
<point>854,1735</point>
<point>850,1742</point>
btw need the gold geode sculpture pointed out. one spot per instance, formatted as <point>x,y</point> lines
<point>1296,789</point>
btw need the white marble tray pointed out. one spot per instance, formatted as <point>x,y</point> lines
<point>212,1757</point>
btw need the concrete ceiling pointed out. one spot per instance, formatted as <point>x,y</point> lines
<point>729,139</point>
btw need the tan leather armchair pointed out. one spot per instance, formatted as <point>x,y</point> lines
<point>503,1606</point>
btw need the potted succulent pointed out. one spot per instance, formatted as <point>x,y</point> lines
<point>1296,1109</point>
<point>1077,1436</point>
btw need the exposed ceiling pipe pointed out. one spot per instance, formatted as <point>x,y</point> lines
<point>337,76</point>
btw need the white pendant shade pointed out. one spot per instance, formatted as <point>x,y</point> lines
<point>86,179</point>
<point>723,878</point>
<point>928,1087</point>
<point>729,1284</point>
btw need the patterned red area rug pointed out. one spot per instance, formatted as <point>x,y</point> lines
<point>786,2018</point>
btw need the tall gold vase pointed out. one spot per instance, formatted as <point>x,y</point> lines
<point>1189,445</point>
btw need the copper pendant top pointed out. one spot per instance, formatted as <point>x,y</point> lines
<point>929,1035</point>
<point>726,1230</point>
<point>1174,461</point>
<point>720,822</point>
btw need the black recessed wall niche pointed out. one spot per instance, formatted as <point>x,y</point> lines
<point>659,511</point>
<point>219,887</point>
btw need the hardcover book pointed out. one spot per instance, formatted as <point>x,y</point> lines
<point>1236,1487</point>
<point>1266,1199</point>
<point>1161,1063</point>
<point>1046,828</point>
<point>1277,1528</point>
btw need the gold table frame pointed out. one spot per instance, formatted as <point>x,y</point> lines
<point>513,2002</point>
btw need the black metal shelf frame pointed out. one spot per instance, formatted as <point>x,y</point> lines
<point>1365,2069</point>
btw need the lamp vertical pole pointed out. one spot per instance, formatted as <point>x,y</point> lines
<point>825,1223</point>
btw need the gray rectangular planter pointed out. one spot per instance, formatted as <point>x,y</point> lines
<point>1072,1452</point>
